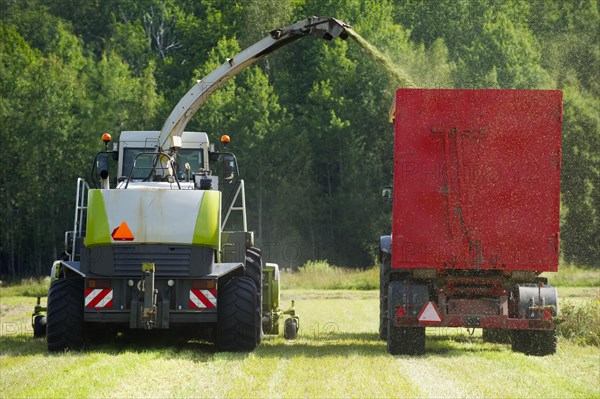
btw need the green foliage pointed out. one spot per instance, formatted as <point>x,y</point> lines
<point>309,123</point>
<point>581,177</point>
<point>580,323</point>
<point>56,102</point>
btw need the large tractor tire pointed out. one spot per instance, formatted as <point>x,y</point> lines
<point>534,342</point>
<point>254,270</point>
<point>402,340</point>
<point>64,320</point>
<point>237,324</point>
<point>385,269</point>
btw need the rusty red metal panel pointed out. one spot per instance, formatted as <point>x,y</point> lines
<point>477,179</point>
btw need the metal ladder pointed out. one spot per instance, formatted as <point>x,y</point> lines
<point>240,192</point>
<point>80,215</point>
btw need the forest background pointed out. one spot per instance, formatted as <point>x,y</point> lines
<point>309,123</point>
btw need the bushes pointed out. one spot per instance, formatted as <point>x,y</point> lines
<point>580,323</point>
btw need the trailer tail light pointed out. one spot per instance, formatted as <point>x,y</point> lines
<point>547,314</point>
<point>400,312</point>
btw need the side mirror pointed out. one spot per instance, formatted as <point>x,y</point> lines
<point>229,167</point>
<point>102,165</point>
<point>386,194</point>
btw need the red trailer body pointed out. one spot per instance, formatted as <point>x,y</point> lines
<point>477,179</point>
<point>476,203</point>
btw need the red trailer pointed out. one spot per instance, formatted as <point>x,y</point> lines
<point>476,201</point>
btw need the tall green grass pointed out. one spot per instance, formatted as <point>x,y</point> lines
<point>31,287</point>
<point>570,275</point>
<point>320,275</point>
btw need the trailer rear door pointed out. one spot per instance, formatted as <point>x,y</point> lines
<point>477,179</point>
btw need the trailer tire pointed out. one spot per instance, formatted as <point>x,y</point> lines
<point>385,269</point>
<point>290,330</point>
<point>496,336</point>
<point>534,342</point>
<point>39,326</point>
<point>406,340</point>
<point>254,270</point>
<point>403,340</point>
<point>236,323</point>
<point>64,325</point>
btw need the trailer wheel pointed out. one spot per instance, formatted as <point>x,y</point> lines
<point>402,340</point>
<point>290,330</point>
<point>534,342</point>
<point>496,336</point>
<point>237,324</point>
<point>385,269</point>
<point>254,270</point>
<point>64,325</point>
<point>405,340</point>
<point>39,326</point>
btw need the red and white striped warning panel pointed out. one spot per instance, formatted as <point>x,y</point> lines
<point>430,314</point>
<point>98,298</point>
<point>203,299</point>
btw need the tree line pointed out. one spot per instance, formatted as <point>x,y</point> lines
<point>309,123</point>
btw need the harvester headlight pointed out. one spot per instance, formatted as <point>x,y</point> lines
<point>170,283</point>
<point>130,283</point>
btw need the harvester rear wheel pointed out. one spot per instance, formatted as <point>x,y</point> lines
<point>237,324</point>
<point>254,270</point>
<point>64,324</point>
<point>534,342</point>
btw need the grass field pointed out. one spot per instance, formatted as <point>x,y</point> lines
<point>337,354</point>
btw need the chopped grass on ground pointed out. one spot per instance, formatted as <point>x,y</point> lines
<point>338,353</point>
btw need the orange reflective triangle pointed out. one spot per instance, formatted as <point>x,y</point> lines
<point>122,233</point>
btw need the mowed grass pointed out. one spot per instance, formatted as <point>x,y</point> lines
<point>337,354</point>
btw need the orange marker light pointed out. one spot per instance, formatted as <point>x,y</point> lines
<point>225,139</point>
<point>106,137</point>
